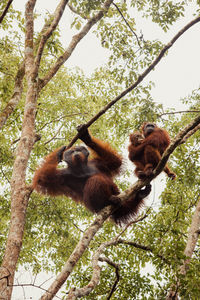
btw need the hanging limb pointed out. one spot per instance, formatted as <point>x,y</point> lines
<point>5,10</point>
<point>75,40</point>
<point>193,236</point>
<point>13,102</point>
<point>140,77</point>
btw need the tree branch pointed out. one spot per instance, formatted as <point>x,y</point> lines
<point>75,40</point>
<point>13,102</point>
<point>48,30</point>
<point>140,77</point>
<point>193,236</point>
<point>5,10</point>
<point>179,112</point>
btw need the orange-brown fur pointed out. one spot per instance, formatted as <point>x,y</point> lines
<point>89,181</point>
<point>147,154</point>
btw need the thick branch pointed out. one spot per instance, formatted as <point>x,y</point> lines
<point>5,10</point>
<point>140,77</point>
<point>48,30</point>
<point>75,40</point>
<point>18,88</point>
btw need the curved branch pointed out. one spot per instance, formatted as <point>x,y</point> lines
<point>140,77</point>
<point>178,112</point>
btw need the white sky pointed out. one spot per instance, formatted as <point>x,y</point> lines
<point>175,76</point>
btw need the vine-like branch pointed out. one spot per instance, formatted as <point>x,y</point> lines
<point>140,77</point>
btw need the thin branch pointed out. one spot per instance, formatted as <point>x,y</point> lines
<point>127,24</point>
<point>75,40</point>
<point>179,112</point>
<point>33,285</point>
<point>86,290</point>
<point>48,30</point>
<point>54,136</point>
<point>5,10</point>
<point>140,77</point>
